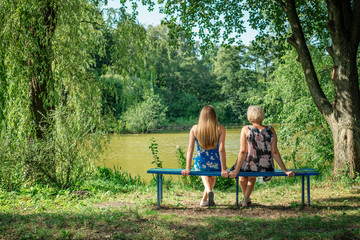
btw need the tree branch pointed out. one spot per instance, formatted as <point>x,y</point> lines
<point>282,4</point>
<point>330,50</point>
<point>297,40</point>
<point>292,41</point>
<point>340,18</point>
<point>355,27</point>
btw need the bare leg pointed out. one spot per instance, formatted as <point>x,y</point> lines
<point>212,182</point>
<point>208,186</point>
<point>250,186</point>
<point>243,184</point>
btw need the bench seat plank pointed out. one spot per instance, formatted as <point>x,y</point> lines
<point>276,173</point>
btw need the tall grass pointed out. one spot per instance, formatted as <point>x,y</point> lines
<point>114,180</point>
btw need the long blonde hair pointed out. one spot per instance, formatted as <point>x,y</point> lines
<point>207,131</point>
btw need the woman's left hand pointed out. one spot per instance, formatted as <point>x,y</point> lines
<point>290,173</point>
<point>224,173</point>
<point>233,174</point>
<point>185,172</point>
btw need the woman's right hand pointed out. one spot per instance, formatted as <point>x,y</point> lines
<point>290,173</point>
<point>185,172</point>
<point>233,174</point>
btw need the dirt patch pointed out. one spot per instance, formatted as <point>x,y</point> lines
<point>117,204</point>
<point>253,211</point>
<point>322,203</point>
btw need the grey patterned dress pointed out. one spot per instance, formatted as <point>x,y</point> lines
<point>259,157</point>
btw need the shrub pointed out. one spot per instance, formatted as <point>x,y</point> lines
<point>146,115</point>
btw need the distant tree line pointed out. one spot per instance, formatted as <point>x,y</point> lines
<point>150,83</point>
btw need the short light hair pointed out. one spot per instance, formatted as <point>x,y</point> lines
<point>255,113</point>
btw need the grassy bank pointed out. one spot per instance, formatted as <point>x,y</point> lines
<point>116,206</point>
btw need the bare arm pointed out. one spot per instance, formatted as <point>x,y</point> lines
<point>242,153</point>
<point>190,152</point>
<point>222,152</point>
<point>276,155</point>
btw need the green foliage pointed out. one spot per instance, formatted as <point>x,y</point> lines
<point>66,154</point>
<point>238,80</point>
<point>224,183</point>
<point>154,151</point>
<point>181,77</point>
<point>12,168</point>
<point>183,80</point>
<point>119,93</point>
<point>177,109</point>
<point>128,53</point>
<point>145,115</point>
<point>113,180</point>
<point>222,22</point>
<point>192,181</point>
<point>302,128</point>
<point>50,103</point>
<point>226,21</point>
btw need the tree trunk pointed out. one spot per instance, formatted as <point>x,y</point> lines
<point>40,65</point>
<point>345,120</point>
<point>346,149</point>
<point>343,25</point>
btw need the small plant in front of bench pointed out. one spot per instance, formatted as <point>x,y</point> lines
<point>192,181</point>
<point>154,151</point>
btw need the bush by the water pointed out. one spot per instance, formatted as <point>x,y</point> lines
<point>62,158</point>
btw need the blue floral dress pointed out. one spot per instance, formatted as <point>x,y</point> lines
<point>208,160</point>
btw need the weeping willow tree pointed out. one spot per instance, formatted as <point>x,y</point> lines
<point>50,101</point>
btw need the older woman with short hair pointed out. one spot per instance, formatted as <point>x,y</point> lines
<point>258,147</point>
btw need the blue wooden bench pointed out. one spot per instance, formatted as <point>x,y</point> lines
<point>307,172</point>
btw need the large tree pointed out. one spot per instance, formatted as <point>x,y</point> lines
<point>335,23</point>
<point>49,97</point>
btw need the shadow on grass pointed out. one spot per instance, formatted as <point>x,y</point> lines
<point>342,200</point>
<point>129,224</point>
<point>306,227</point>
<point>328,218</point>
<point>333,204</point>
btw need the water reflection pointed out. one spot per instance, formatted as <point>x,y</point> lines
<point>131,151</point>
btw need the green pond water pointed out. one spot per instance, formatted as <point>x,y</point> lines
<point>131,151</point>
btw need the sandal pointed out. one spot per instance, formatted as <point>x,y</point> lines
<point>245,202</point>
<point>210,201</point>
<point>203,203</point>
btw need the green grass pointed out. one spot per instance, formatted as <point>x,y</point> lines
<point>129,211</point>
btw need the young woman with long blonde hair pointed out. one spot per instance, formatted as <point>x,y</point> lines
<point>209,137</point>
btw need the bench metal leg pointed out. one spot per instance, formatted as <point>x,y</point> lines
<point>308,191</point>
<point>158,189</point>
<point>161,187</point>
<point>237,191</point>
<point>302,190</point>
